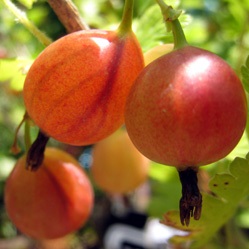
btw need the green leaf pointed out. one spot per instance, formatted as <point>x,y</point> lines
<point>14,71</point>
<point>150,37</point>
<point>166,187</point>
<point>164,181</point>
<point>227,191</point>
<point>241,149</point>
<point>7,164</point>
<point>27,3</point>
<point>245,74</point>
<point>247,62</point>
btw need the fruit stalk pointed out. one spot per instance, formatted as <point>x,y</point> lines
<point>15,148</point>
<point>170,16</point>
<point>191,201</point>
<point>27,138</point>
<point>126,23</point>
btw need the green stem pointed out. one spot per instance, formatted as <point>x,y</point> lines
<point>179,37</point>
<point>15,148</point>
<point>21,16</point>
<point>126,22</point>
<point>27,138</point>
<point>171,16</point>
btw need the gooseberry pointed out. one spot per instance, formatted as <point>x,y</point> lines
<point>118,167</point>
<point>186,109</point>
<point>51,202</point>
<point>75,91</point>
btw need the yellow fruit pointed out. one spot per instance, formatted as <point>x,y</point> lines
<point>156,52</point>
<point>118,167</point>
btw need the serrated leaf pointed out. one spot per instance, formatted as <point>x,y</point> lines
<point>166,187</point>
<point>14,71</point>
<point>228,190</point>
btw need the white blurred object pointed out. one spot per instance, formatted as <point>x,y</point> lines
<point>154,235</point>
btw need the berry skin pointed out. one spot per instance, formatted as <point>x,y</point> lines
<point>51,202</point>
<point>186,109</point>
<point>76,89</point>
<point>118,167</point>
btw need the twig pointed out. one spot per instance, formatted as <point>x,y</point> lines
<point>68,15</point>
<point>21,16</point>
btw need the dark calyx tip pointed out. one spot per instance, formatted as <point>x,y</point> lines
<point>191,201</point>
<point>35,153</point>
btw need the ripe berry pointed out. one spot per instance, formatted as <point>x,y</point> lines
<point>76,89</point>
<point>186,109</point>
<point>55,200</point>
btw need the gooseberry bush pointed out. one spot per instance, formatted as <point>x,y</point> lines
<point>153,97</point>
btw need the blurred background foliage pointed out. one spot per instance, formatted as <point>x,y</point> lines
<point>220,26</point>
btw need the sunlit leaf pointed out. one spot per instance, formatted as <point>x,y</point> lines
<point>14,71</point>
<point>7,164</point>
<point>228,190</point>
<point>164,182</point>
<point>27,3</point>
<point>151,30</point>
<point>237,10</point>
<point>241,149</point>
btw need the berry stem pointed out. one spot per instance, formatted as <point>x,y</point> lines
<point>35,154</point>
<point>126,22</point>
<point>191,201</point>
<point>15,148</point>
<point>68,14</point>
<point>27,138</point>
<point>171,16</point>
<point>179,37</point>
